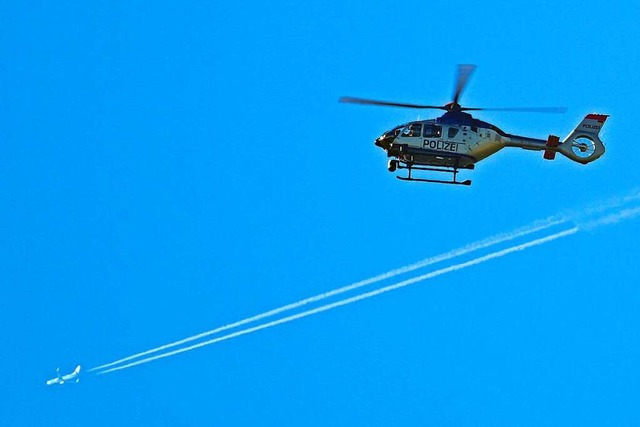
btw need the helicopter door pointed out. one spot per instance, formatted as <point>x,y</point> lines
<point>432,131</point>
<point>412,131</point>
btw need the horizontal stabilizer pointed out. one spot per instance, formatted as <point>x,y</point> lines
<point>552,142</point>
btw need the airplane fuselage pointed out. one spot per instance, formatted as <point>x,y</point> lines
<point>61,379</point>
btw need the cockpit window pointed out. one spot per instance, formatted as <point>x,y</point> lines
<point>394,132</point>
<point>452,132</point>
<point>432,131</point>
<point>412,130</point>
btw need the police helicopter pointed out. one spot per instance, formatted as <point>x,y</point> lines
<point>457,141</point>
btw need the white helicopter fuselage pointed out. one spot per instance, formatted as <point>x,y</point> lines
<point>457,140</point>
<point>467,142</point>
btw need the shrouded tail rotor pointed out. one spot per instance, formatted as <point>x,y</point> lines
<point>583,145</point>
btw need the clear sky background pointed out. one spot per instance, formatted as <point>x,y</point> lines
<point>168,168</point>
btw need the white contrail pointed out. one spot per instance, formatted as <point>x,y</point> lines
<point>575,216</point>
<point>472,247</point>
<point>613,202</point>
<point>360,297</point>
<point>612,219</point>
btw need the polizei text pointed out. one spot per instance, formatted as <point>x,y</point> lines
<point>439,145</point>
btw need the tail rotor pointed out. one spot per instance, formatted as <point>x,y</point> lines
<point>584,145</point>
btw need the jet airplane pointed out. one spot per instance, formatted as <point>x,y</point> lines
<point>61,379</point>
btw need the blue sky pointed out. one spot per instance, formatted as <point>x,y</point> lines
<point>170,168</point>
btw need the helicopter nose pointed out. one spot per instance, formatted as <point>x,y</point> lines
<point>383,142</point>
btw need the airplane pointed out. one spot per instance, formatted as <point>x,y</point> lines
<point>456,140</point>
<point>61,379</point>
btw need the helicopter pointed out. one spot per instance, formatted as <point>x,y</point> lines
<point>456,140</point>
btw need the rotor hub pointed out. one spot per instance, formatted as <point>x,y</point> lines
<point>453,107</point>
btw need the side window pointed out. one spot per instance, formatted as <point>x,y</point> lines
<point>432,131</point>
<point>412,130</point>
<point>452,132</point>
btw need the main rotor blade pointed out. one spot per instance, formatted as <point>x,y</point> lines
<point>522,109</point>
<point>464,72</point>
<point>350,100</point>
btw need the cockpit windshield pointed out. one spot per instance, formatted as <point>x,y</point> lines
<point>394,132</point>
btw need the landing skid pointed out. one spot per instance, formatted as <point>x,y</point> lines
<point>436,181</point>
<point>452,171</point>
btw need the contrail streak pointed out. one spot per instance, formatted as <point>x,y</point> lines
<point>581,217</point>
<point>472,247</point>
<point>613,218</point>
<point>356,298</point>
